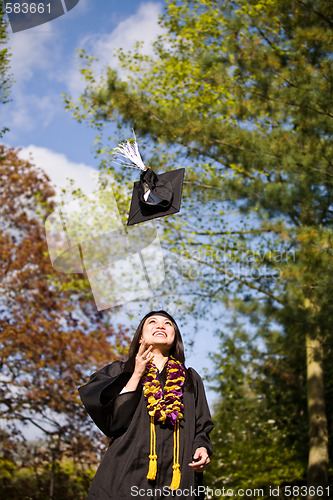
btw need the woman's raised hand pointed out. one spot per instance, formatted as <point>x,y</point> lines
<point>143,356</point>
<point>141,359</point>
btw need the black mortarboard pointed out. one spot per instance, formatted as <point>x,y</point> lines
<point>156,195</point>
<point>153,195</point>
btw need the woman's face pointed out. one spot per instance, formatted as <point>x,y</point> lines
<point>158,331</point>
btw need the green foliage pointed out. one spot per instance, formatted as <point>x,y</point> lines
<point>240,93</point>
<point>70,482</point>
<point>260,425</point>
<point>5,78</point>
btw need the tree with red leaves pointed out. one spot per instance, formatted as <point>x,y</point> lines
<point>51,337</point>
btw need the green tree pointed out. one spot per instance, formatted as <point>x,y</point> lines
<point>5,78</point>
<point>70,482</point>
<point>240,93</point>
<point>259,436</point>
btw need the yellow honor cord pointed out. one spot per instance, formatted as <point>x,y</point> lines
<point>175,482</point>
<point>176,474</point>
<point>152,457</point>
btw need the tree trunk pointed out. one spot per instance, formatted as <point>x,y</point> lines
<point>318,446</point>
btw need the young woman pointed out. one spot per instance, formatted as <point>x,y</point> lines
<point>156,413</point>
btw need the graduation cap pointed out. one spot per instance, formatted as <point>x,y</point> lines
<point>153,195</point>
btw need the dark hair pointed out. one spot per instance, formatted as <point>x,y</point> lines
<point>177,349</point>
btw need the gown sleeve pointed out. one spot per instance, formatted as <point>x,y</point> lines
<point>203,421</point>
<point>112,412</point>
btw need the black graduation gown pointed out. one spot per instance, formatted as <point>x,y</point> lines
<point>124,417</point>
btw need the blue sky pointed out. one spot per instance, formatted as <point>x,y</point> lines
<point>44,65</point>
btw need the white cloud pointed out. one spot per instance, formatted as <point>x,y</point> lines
<point>60,169</point>
<point>33,55</point>
<point>32,50</point>
<point>142,26</point>
<point>30,110</point>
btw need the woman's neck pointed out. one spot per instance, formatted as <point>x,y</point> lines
<point>160,359</point>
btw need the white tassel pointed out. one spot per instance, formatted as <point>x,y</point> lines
<point>130,151</point>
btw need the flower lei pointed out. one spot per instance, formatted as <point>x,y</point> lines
<point>166,404</point>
